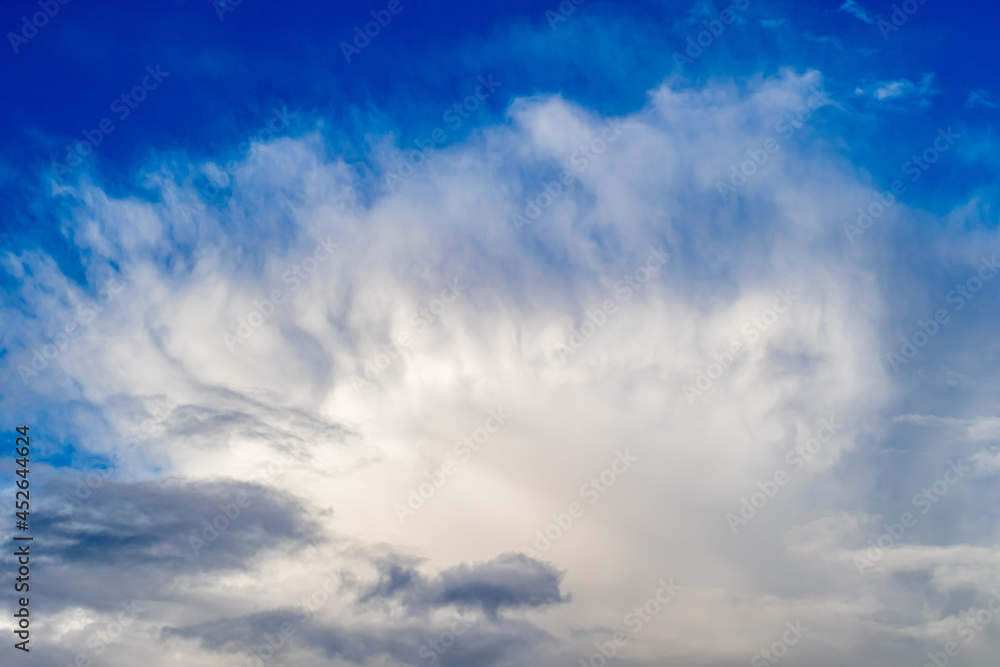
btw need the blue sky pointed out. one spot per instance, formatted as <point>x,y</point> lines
<point>255,292</point>
<point>225,75</point>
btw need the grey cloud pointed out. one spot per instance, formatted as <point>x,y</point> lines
<point>235,634</point>
<point>134,538</point>
<point>508,581</point>
<point>479,644</point>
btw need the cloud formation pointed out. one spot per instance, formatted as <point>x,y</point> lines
<point>323,458</point>
<point>857,11</point>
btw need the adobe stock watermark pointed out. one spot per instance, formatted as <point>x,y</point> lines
<point>752,329</point>
<point>101,639</point>
<point>580,160</point>
<point>895,532</point>
<point>420,320</point>
<point>778,649</point>
<point>258,655</point>
<point>133,438</point>
<point>622,292</point>
<point>220,523</point>
<point>30,28</point>
<point>262,311</point>
<point>223,7</point>
<point>768,489</point>
<point>261,653</point>
<point>247,150</point>
<point>270,471</point>
<point>900,15</point>
<point>86,313</point>
<point>713,29</point>
<point>372,29</point>
<point>758,157</point>
<point>636,620</point>
<point>927,329</point>
<point>433,649</point>
<point>453,116</point>
<point>968,629</point>
<point>915,167</point>
<point>464,449</point>
<point>561,13</point>
<point>122,106</point>
<point>593,489</point>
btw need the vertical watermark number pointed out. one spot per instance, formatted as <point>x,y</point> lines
<point>22,543</point>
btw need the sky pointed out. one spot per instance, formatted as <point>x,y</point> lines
<point>547,333</point>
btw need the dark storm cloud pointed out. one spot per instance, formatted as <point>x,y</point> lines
<point>235,634</point>
<point>467,643</point>
<point>149,524</point>
<point>508,581</point>
<point>478,644</point>
<point>132,539</point>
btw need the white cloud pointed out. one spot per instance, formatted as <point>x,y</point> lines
<point>856,10</point>
<point>904,88</point>
<point>987,462</point>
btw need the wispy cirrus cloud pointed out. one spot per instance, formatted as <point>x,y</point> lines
<point>856,10</point>
<point>980,99</point>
